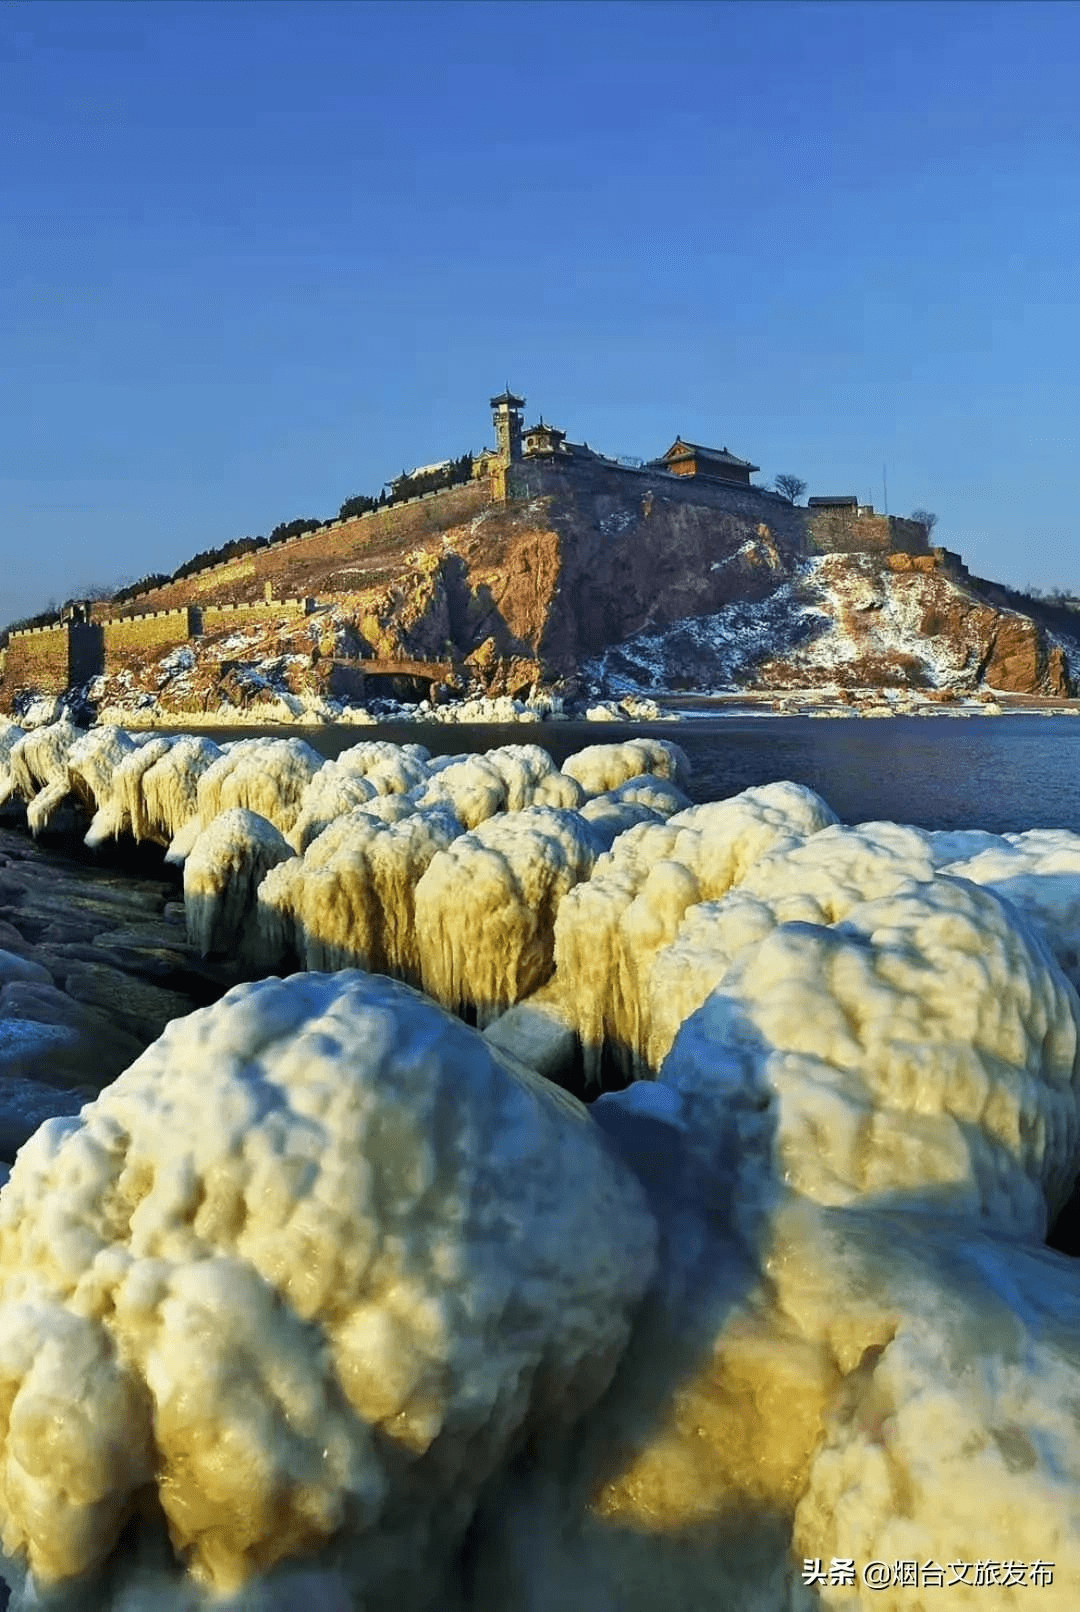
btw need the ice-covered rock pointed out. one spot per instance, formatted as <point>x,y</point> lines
<point>38,763</point>
<point>602,767</point>
<point>222,872</point>
<point>610,929</point>
<point>350,900</point>
<point>303,1278</point>
<point>266,776</point>
<point>486,906</point>
<point>10,734</point>
<point>1039,872</point>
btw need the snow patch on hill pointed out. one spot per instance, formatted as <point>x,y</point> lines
<point>840,618</point>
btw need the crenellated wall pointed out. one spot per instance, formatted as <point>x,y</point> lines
<point>37,660</point>
<point>47,660</point>
<point>128,640</point>
<point>378,535</point>
<point>213,618</point>
<point>595,480</point>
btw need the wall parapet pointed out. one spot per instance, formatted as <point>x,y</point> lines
<point>141,615</point>
<point>33,632</point>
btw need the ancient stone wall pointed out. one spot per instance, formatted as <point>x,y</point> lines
<point>37,661</point>
<point>846,531</point>
<point>217,618</point>
<point>283,564</point>
<point>135,636</point>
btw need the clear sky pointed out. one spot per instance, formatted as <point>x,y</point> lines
<point>257,257</point>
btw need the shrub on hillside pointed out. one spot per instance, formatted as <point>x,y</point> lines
<point>455,471</point>
<point>131,590</point>
<point>294,528</point>
<point>359,504</point>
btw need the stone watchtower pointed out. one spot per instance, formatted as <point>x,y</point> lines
<point>506,413</point>
<point>507,418</point>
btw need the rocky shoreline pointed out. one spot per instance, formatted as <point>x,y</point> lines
<point>94,962</point>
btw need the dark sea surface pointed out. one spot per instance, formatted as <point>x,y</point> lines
<point>1004,774</point>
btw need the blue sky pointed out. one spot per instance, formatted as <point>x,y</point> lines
<point>257,257</point>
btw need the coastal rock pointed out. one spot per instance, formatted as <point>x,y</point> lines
<point>15,967</point>
<point>141,1009</point>
<point>857,621</point>
<point>15,1127</point>
<point>92,1053</point>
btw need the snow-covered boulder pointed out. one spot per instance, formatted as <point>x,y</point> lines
<point>840,867</point>
<point>295,1288</point>
<point>523,768</point>
<point>122,812</point>
<point>922,1054</point>
<point>170,787</point>
<point>333,792</point>
<point>222,873</point>
<point>644,799</point>
<point>1039,872</point>
<point>38,763</point>
<point>10,734</point>
<point>41,711</point>
<point>660,795</point>
<point>855,1349</point>
<point>808,1387</point>
<point>39,758</point>
<point>92,762</point>
<point>391,769</point>
<point>610,928</point>
<point>373,768</point>
<point>473,789</point>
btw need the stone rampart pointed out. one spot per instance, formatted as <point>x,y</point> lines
<point>222,617</point>
<point>750,507</point>
<point>131,637</point>
<point>844,530</point>
<point>283,564</point>
<point>37,661</point>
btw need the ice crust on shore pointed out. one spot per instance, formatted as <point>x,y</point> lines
<point>10,734</point>
<point>349,901</point>
<point>856,1109</point>
<point>601,767</point>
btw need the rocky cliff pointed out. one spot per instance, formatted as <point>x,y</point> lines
<point>643,592</point>
<point>608,585</point>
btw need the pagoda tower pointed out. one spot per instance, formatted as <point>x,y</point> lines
<point>506,414</point>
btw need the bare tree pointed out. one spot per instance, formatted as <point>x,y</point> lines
<point>927,518</point>
<point>95,590</point>
<point>789,487</point>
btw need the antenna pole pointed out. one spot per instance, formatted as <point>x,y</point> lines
<point>885,489</point>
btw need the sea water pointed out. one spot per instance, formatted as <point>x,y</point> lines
<point>1003,774</point>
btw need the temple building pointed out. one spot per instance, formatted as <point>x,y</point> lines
<point>541,441</point>
<point>713,464</point>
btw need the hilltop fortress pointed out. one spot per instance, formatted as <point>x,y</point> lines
<point>550,553</point>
